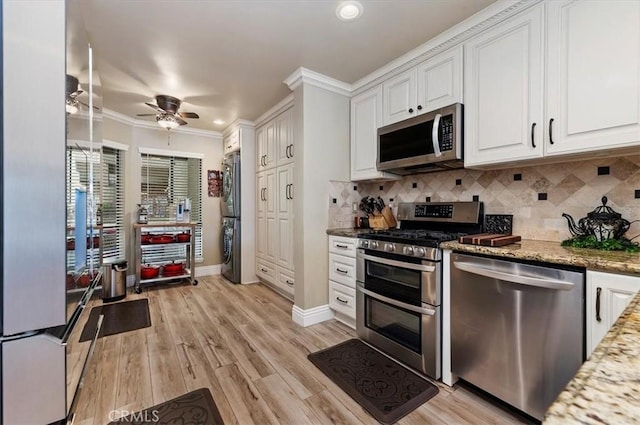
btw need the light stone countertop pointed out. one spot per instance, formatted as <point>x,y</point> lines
<point>552,252</point>
<point>348,232</point>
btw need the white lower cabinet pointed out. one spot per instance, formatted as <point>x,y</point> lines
<point>342,278</point>
<point>608,294</point>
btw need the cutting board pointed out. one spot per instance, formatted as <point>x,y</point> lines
<point>489,239</point>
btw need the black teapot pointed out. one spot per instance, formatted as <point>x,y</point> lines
<point>603,223</point>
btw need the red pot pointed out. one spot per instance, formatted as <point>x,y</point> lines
<point>162,239</point>
<point>173,268</point>
<point>149,272</point>
<point>183,237</point>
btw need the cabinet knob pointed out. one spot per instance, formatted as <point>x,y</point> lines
<point>419,107</point>
<point>411,110</point>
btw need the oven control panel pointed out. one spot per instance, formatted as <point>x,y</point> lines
<point>434,211</point>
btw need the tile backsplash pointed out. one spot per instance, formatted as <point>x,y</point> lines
<point>535,195</point>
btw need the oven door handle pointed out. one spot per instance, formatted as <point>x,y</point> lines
<point>396,263</point>
<point>415,309</point>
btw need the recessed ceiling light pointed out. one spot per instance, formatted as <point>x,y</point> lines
<point>218,122</point>
<point>349,10</point>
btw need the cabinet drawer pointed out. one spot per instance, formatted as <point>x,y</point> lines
<point>342,269</point>
<point>343,246</point>
<point>342,299</point>
<point>266,271</point>
<point>286,280</point>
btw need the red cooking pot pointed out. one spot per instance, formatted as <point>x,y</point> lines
<point>172,269</point>
<point>162,239</point>
<point>149,272</point>
<point>183,237</point>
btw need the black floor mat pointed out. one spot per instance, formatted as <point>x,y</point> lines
<point>383,387</point>
<point>119,317</point>
<point>194,408</point>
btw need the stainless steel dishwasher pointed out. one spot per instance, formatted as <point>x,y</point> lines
<point>517,330</point>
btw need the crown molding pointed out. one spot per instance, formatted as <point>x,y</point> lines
<point>117,116</point>
<point>487,17</point>
<point>307,76</point>
<point>239,122</point>
<point>121,118</point>
<point>280,107</point>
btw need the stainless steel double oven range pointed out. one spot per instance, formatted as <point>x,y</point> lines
<point>399,281</point>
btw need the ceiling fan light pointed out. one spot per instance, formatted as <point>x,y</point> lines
<point>71,106</point>
<point>167,121</point>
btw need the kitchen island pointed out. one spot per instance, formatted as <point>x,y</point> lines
<point>606,389</point>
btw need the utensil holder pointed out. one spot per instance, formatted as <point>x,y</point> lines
<point>382,220</point>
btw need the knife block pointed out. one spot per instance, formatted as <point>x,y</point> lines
<point>382,220</point>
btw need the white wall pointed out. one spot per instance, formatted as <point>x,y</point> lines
<point>209,145</point>
<point>321,131</point>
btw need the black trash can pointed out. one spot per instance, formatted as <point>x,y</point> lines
<point>114,281</point>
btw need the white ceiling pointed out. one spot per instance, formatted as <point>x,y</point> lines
<point>227,59</point>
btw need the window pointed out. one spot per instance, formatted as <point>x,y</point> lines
<point>108,191</point>
<point>167,181</point>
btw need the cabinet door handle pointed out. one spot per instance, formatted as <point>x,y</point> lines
<point>533,142</point>
<point>288,282</point>
<point>419,107</point>
<point>291,150</point>
<point>342,271</point>
<point>341,300</point>
<point>411,110</point>
<point>598,291</point>
<point>228,146</point>
<point>286,151</point>
<point>264,270</point>
<point>341,246</point>
<point>551,131</point>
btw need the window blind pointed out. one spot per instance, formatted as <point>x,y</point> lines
<point>108,191</point>
<point>112,201</point>
<point>168,180</point>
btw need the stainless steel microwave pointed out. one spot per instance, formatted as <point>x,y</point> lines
<point>426,143</point>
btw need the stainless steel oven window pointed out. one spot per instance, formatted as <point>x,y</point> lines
<point>399,325</point>
<point>409,278</point>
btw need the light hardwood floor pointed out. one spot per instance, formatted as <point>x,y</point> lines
<point>240,342</point>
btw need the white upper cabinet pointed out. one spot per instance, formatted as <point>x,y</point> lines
<point>580,62</point>
<point>266,140</point>
<point>503,91</point>
<point>440,81</point>
<point>232,141</point>
<point>433,84</point>
<point>399,97</point>
<point>284,137</point>
<point>366,117</point>
<point>593,75</point>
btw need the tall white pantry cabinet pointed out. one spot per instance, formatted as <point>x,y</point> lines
<point>274,203</point>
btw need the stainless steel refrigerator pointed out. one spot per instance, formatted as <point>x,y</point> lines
<point>32,295</point>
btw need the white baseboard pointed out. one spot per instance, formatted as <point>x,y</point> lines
<point>311,316</point>
<point>208,270</point>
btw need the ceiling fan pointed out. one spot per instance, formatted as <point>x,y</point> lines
<point>71,103</point>
<point>167,114</point>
